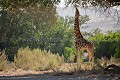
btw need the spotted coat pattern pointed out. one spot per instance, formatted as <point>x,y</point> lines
<point>80,42</point>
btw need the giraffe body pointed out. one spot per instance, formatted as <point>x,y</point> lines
<point>80,42</point>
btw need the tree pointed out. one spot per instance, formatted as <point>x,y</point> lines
<point>58,37</point>
<point>21,27</point>
<point>16,4</point>
<point>101,3</point>
<point>106,45</point>
<point>34,24</point>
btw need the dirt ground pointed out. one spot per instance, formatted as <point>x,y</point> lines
<point>50,75</point>
<point>20,74</point>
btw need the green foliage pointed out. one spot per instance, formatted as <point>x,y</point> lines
<point>23,4</point>
<point>69,54</point>
<point>60,37</point>
<point>36,59</point>
<point>106,45</point>
<point>25,27</point>
<point>117,45</point>
<point>36,26</point>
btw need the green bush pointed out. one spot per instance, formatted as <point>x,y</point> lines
<point>69,54</point>
<point>106,45</point>
<point>117,54</point>
<point>36,59</point>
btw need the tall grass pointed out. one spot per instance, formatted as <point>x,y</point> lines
<point>105,62</point>
<point>3,61</point>
<point>37,59</point>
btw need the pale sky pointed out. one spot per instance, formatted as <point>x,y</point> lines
<point>116,7</point>
<point>61,3</point>
<point>96,20</point>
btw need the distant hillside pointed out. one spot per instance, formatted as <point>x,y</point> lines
<point>97,20</point>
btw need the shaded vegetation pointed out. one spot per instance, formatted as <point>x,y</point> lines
<point>107,45</point>
<point>36,27</point>
<point>23,3</point>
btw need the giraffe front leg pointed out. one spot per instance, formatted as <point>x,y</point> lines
<point>78,56</point>
<point>78,59</point>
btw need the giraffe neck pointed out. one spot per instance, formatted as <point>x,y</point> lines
<point>77,32</point>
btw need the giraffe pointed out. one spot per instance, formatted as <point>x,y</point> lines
<point>80,42</point>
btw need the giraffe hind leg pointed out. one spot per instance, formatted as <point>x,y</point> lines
<point>90,55</point>
<point>90,58</point>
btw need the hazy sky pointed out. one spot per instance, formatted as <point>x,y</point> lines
<point>97,20</point>
<point>61,3</point>
<point>70,11</point>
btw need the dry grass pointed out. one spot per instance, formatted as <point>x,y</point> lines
<point>105,62</point>
<point>37,59</point>
<point>3,61</point>
<point>88,68</point>
<point>71,58</point>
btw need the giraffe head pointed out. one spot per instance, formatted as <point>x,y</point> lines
<point>77,13</point>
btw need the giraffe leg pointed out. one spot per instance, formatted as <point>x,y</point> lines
<point>90,55</point>
<point>78,56</point>
<point>78,59</point>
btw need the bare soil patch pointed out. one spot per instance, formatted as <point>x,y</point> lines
<point>67,74</point>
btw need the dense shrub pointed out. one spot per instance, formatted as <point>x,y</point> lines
<point>36,59</point>
<point>69,54</point>
<point>107,45</point>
